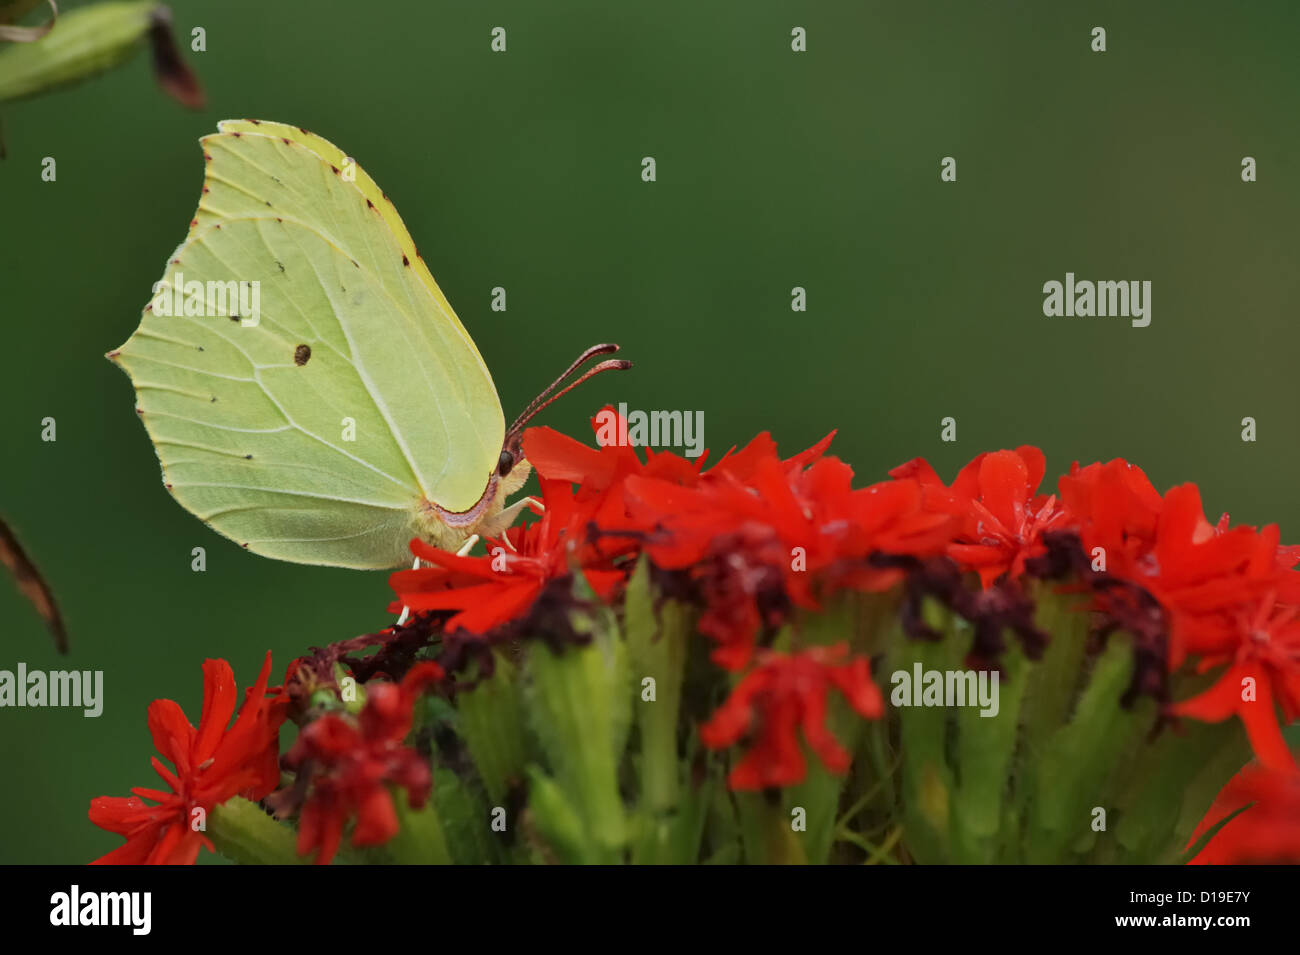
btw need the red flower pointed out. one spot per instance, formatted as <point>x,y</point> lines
<point>1228,593</point>
<point>352,762</point>
<point>600,473</point>
<point>1268,832</point>
<point>500,587</point>
<point>781,695</point>
<point>211,764</point>
<point>1263,667</point>
<point>758,533</point>
<point>1115,507</point>
<point>1000,517</point>
<point>1204,574</point>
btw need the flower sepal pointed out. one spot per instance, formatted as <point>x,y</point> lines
<point>579,703</point>
<point>243,832</point>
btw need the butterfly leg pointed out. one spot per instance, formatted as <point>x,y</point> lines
<point>497,525</point>
<point>406,611</point>
<point>465,549</point>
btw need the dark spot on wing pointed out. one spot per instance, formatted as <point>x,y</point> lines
<point>256,122</point>
<point>369,204</point>
<point>301,354</point>
<point>334,168</point>
<point>248,457</point>
<point>236,135</point>
<point>234,318</point>
<point>405,260</point>
<point>268,205</point>
<point>286,140</point>
<point>214,398</point>
<point>279,265</point>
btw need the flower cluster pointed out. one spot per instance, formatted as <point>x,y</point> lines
<point>757,535</point>
<point>347,766</point>
<point>756,547</point>
<point>792,689</point>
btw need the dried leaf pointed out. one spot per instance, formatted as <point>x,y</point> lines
<point>32,585</point>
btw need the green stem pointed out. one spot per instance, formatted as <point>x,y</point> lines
<point>882,854</point>
<point>865,799</point>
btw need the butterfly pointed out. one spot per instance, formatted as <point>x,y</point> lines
<point>309,390</point>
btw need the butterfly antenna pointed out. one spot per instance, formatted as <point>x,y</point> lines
<point>549,394</point>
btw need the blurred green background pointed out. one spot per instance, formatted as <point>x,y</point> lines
<point>775,169</point>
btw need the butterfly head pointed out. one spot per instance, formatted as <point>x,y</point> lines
<point>512,454</point>
<point>491,515</point>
